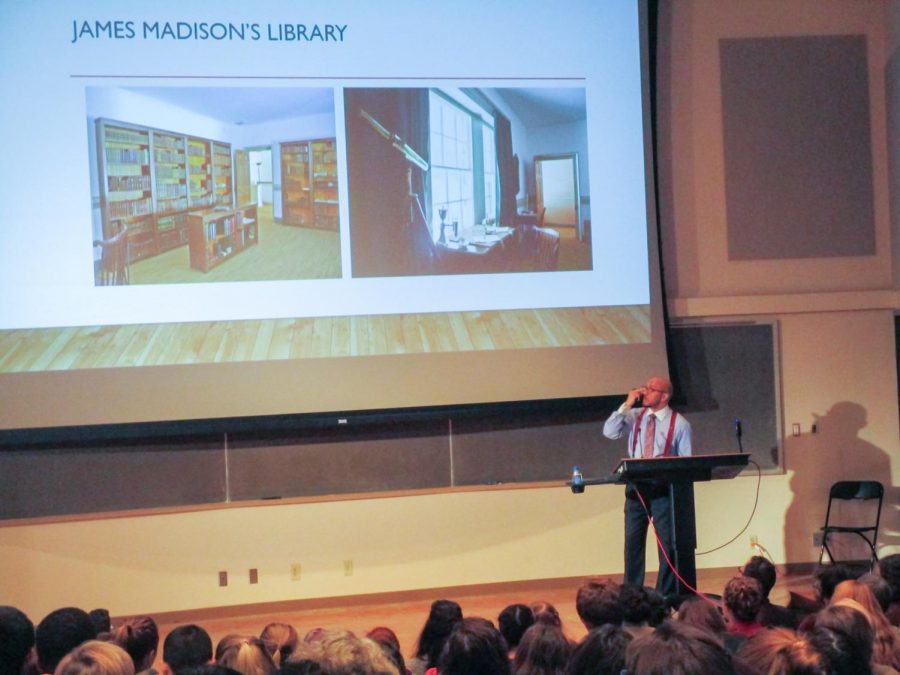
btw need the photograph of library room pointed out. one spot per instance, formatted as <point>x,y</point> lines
<point>462,180</point>
<point>213,184</point>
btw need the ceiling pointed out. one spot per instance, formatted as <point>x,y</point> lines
<point>537,107</point>
<point>245,105</point>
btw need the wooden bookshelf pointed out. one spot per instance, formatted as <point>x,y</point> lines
<point>151,178</point>
<point>217,234</point>
<point>309,183</point>
<point>325,186</point>
<point>296,184</point>
<point>221,173</point>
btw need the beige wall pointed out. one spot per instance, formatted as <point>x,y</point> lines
<point>836,339</point>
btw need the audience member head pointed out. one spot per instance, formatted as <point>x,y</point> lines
<point>474,647</point>
<point>837,653</point>
<point>59,633</point>
<point>798,658</point>
<point>827,577</point>
<point>702,613</point>
<point>102,623</point>
<point>341,653</point>
<point>597,602</point>
<point>601,652</point>
<point>281,641</point>
<point>442,619</point>
<point>889,569</point>
<point>16,640</point>
<point>763,571</point>
<point>743,598</point>
<point>844,637</point>
<point>513,621</point>
<point>246,654</point>
<point>387,639</point>
<point>94,657</point>
<point>677,648</point>
<point>544,612</point>
<point>880,588</point>
<point>764,649</point>
<point>207,669</point>
<point>885,645</point>
<point>641,605</point>
<point>186,646</point>
<point>544,650</point>
<point>140,638</point>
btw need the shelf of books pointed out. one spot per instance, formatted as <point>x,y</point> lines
<point>126,193</point>
<point>295,184</point>
<point>170,189</point>
<point>150,179</point>
<point>215,235</point>
<point>221,171</point>
<point>325,186</point>
<point>200,192</point>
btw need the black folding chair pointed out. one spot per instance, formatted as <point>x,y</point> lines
<point>852,491</point>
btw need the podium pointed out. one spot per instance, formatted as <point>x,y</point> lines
<point>679,474</point>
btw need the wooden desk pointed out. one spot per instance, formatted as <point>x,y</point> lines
<point>477,250</point>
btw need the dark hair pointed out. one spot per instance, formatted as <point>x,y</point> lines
<point>597,602</point>
<point>743,597</point>
<point>140,638</point>
<point>827,577</point>
<point>544,650</point>
<point>207,669</point>
<point>474,647</point>
<point>100,617</point>
<point>763,571</point>
<point>442,619</point>
<point>601,652</point>
<point>513,621</point>
<point>838,651</point>
<point>701,612</point>
<point>889,567</point>
<point>16,640</point>
<point>300,667</point>
<point>880,588</point>
<point>677,648</point>
<point>186,647</point>
<point>845,638</point>
<point>387,639</point>
<point>642,605</point>
<point>59,633</point>
<point>545,612</point>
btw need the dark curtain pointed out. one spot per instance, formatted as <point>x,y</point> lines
<point>382,242</point>
<point>508,167</point>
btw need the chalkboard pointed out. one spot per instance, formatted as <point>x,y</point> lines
<point>722,373</point>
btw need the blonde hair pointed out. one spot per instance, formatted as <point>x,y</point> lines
<point>246,654</point>
<point>342,653</point>
<point>281,641</point>
<point>96,658</point>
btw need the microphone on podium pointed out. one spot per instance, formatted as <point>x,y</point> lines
<point>739,432</point>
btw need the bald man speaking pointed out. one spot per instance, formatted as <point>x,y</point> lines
<point>654,430</point>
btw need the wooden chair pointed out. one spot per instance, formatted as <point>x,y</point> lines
<point>113,269</point>
<point>545,252</point>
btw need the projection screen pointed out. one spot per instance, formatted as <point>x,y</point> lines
<point>231,209</point>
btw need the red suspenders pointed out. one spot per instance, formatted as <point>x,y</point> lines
<point>667,449</point>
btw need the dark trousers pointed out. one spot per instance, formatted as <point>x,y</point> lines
<point>657,500</point>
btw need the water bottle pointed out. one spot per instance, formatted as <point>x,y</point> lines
<point>577,480</point>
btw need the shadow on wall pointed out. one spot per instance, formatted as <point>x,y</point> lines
<point>835,452</point>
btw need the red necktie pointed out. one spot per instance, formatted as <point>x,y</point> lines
<point>650,436</point>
